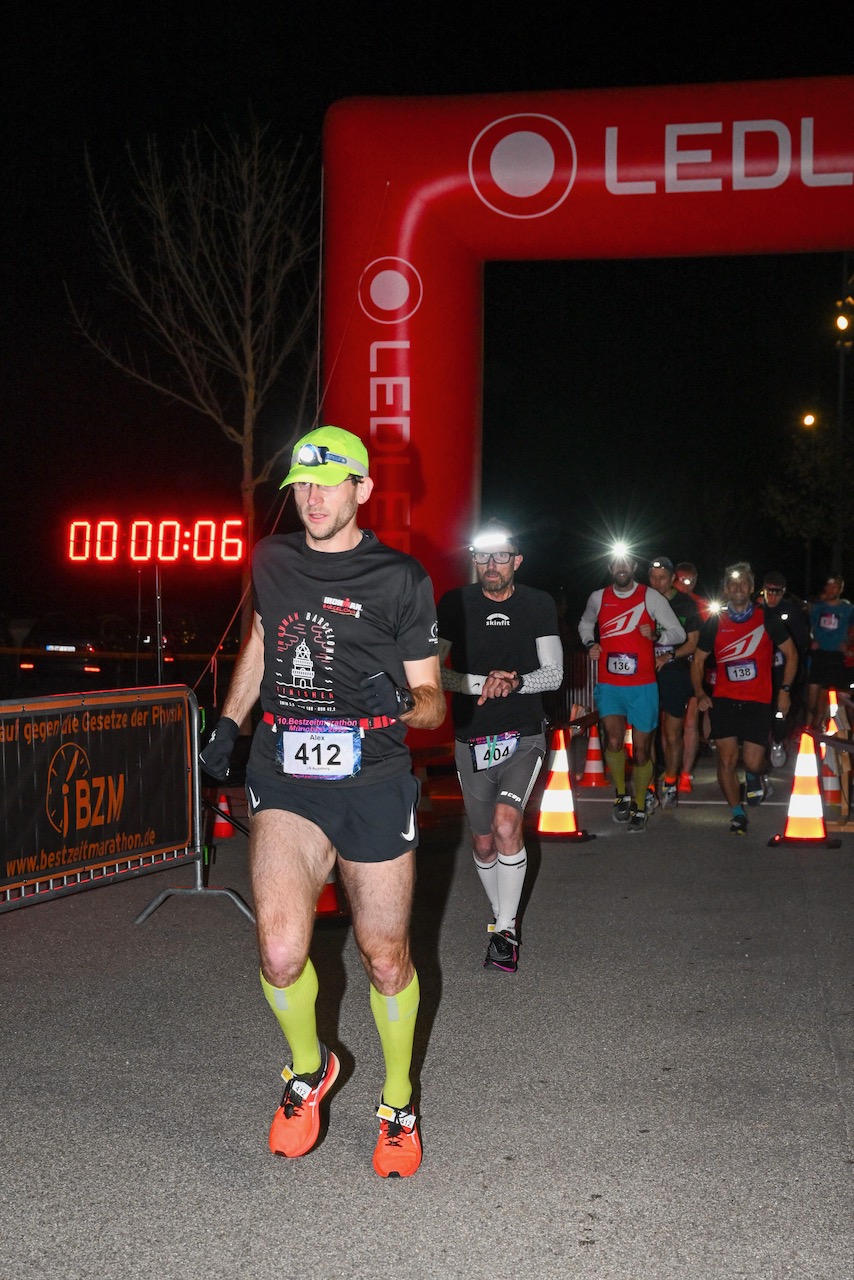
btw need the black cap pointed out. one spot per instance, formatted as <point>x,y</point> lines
<point>774,579</point>
<point>661,562</point>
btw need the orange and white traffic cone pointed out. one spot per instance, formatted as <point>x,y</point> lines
<point>594,765</point>
<point>557,807</point>
<point>332,902</point>
<point>222,826</point>
<point>830,782</point>
<point>805,818</point>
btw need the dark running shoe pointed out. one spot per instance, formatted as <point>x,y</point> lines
<point>398,1150</point>
<point>738,826</point>
<point>622,809</point>
<point>503,950</point>
<point>650,801</point>
<point>296,1124</point>
<point>638,820</point>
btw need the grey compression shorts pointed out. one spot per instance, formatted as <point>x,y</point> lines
<point>510,781</point>
<point>374,822</point>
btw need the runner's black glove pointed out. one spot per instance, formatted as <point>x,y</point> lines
<point>383,697</point>
<point>216,755</point>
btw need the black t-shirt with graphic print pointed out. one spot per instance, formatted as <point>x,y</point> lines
<point>329,618</point>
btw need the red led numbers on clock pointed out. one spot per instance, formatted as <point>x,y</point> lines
<point>161,541</point>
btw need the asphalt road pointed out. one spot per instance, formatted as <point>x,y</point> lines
<point>663,1091</point>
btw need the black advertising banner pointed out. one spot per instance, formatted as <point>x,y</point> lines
<point>91,779</point>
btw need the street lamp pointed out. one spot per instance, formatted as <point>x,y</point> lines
<point>811,422</point>
<point>844,325</point>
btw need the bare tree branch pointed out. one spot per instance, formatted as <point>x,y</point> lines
<point>213,257</point>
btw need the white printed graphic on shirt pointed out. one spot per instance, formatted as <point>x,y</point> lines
<point>305,648</point>
<point>623,623</point>
<point>744,646</point>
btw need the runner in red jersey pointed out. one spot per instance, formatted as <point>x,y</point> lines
<point>742,638</point>
<point>618,629</point>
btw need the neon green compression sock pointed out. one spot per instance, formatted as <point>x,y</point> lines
<point>395,1019</point>
<point>294,1007</point>
<point>616,762</point>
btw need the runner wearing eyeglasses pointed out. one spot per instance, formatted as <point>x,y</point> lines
<point>504,649</point>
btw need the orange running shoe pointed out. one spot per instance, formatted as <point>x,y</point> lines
<point>398,1150</point>
<point>296,1124</point>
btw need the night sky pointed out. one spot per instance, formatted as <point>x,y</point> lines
<point>625,395</point>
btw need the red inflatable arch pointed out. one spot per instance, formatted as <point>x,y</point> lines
<point>420,192</point>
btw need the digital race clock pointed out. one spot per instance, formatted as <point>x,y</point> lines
<point>142,541</point>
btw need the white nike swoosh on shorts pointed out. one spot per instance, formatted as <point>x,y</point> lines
<point>253,799</point>
<point>409,833</point>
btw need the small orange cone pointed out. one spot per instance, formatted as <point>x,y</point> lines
<point>594,765</point>
<point>557,807</point>
<point>830,782</point>
<point>805,818</point>
<point>332,901</point>
<point>222,827</point>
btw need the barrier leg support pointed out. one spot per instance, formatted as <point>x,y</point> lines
<point>198,888</point>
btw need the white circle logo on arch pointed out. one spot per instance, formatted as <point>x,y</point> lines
<point>523,166</point>
<point>390,290</point>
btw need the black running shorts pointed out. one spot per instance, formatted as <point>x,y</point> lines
<point>674,689</point>
<point>747,721</point>
<point>370,823</point>
<point>828,670</point>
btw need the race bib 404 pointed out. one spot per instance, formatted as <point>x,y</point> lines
<point>491,750</point>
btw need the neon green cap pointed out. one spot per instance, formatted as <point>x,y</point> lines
<point>327,455</point>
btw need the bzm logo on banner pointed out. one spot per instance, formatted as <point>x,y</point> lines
<point>77,799</point>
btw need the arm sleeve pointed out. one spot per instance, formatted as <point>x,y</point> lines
<point>587,625</point>
<point>461,681</point>
<point>549,674</point>
<point>450,624</point>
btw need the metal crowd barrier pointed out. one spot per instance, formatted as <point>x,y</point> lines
<point>97,788</point>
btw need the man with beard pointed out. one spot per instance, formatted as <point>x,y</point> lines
<point>620,627</point>
<point>503,641</point>
<point>343,654</point>
<point>742,638</point>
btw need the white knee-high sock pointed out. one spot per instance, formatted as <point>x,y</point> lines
<point>488,872</point>
<point>511,870</point>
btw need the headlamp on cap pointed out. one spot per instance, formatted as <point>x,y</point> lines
<point>327,456</point>
<point>317,455</point>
